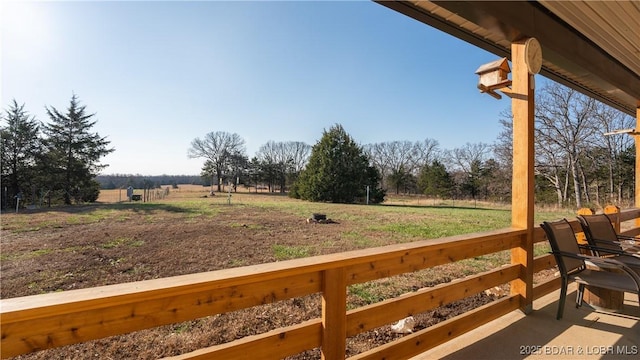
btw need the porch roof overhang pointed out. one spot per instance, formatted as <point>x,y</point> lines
<point>590,46</point>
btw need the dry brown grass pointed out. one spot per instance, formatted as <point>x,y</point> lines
<point>67,248</point>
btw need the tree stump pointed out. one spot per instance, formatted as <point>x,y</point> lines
<point>601,299</point>
<point>604,299</point>
<point>317,217</point>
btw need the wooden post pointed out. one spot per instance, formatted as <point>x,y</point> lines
<point>580,236</point>
<point>522,108</point>
<point>334,315</point>
<point>637,177</point>
<point>611,210</point>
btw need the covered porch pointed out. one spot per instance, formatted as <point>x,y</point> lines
<point>584,333</point>
<point>597,55</point>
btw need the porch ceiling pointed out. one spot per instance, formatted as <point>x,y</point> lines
<point>591,46</point>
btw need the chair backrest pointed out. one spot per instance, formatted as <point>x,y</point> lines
<point>563,239</point>
<point>599,227</point>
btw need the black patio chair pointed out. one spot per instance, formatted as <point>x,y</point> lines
<point>606,242</point>
<point>573,266</point>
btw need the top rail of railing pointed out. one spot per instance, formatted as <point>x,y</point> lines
<point>38,322</point>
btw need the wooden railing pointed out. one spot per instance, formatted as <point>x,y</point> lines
<point>40,322</point>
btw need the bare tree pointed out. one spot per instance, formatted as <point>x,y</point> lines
<point>378,158</point>
<point>551,164</point>
<point>572,154</point>
<point>503,147</point>
<point>564,122</point>
<point>607,120</point>
<point>274,163</point>
<point>215,148</point>
<point>424,153</point>
<point>400,162</point>
<point>282,161</point>
<point>469,162</point>
<point>464,157</point>
<point>299,153</point>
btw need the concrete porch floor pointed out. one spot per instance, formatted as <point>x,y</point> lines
<point>582,333</point>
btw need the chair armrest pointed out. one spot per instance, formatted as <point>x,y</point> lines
<point>609,251</point>
<point>603,263</point>
<point>596,261</point>
<point>603,241</point>
<point>626,248</point>
<point>626,237</point>
<point>622,240</point>
<point>629,243</point>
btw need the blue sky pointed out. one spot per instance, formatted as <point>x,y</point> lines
<point>160,74</point>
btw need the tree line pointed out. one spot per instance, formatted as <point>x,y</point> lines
<point>402,167</point>
<point>575,164</point>
<point>138,181</point>
<point>276,165</point>
<point>50,162</point>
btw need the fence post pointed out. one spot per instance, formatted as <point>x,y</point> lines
<point>522,184</point>
<point>580,236</point>
<point>334,314</point>
<point>636,140</point>
<point>611,210</point>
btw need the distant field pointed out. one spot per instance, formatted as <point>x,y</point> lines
<point>190,231</point>
<point>116,195</point>
<point>183,191</point>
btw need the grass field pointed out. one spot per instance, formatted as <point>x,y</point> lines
<point>189,231</point>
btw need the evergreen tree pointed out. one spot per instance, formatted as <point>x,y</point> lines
<point>237,170</point>
<point>338,171</point>
<point>435,180</point>
<point>497,181</point>
<point>19,147</point>
<point>399,178</point>
<point>473,182</point>
<point>73,151</point>
<point>625,170</point>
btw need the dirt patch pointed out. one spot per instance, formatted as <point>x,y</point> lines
<point>139,246</point>
<point>81,247</point>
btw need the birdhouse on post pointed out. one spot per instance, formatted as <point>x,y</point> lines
<point>494,76</point>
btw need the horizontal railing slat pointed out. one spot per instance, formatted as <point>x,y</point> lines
<point>629,214</point>
<point>544,288</point>
<point>37,322</point>
<point>423,340</point>
<point>437,253</point>
<point>275,344</point>
<point>388,311</point>
<point>51,320</point>
<point>23,308</point>
<point>543,262</point>
<point>105,319</point>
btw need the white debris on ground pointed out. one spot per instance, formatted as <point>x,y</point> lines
<point>404,326</point>
<point>497,291</point>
